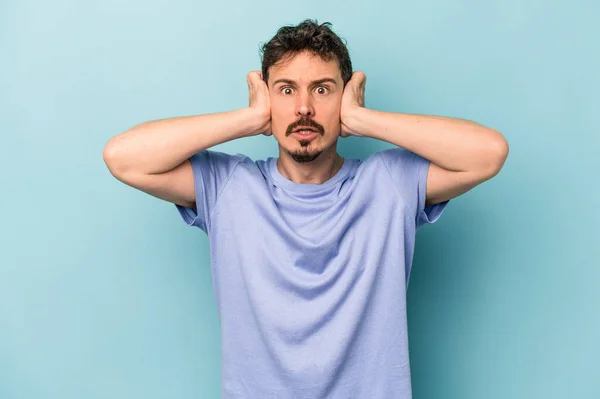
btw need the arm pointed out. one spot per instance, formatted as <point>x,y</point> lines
<point>153,156</point>
<point>463,154</point>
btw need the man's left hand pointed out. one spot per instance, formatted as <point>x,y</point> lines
<point>353,98</point>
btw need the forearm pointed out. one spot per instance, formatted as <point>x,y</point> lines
<point>161,145</point>
<point>453,144</point>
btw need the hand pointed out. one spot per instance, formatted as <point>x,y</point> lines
<point>352,98</point>
<point>258,99</point>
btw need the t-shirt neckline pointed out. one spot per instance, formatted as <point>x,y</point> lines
<point>283,182</point>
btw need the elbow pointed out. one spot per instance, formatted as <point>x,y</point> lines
<point>112,158</point>
<point>498,154</point>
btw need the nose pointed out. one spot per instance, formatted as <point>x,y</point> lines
<point>304,105</point>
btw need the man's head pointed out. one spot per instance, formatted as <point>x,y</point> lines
<point>306,68</point>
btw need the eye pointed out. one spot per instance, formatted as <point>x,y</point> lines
<point>322,90</point>
<point>286,90</point>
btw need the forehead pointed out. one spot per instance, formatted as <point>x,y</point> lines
<point>304,67</point>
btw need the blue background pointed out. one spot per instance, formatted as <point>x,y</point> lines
<point>105,293</point>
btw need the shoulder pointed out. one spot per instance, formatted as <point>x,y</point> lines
<point>398,155</point>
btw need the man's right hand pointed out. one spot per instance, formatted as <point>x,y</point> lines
<point>258,98</point>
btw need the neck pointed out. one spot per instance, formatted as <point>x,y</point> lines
<point>323,168</point>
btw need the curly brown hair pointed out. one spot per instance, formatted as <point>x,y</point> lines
<point>308,35</point>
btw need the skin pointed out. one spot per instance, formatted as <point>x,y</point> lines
<point>463,153</point>
<point>305,90</point>
<point>154,156</point>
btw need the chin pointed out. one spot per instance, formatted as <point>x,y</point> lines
<point>302,156</point>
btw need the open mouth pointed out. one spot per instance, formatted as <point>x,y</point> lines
<point>305,131</point>
<point>305,134</point>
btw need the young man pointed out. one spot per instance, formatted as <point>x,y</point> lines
<point>310,252</point>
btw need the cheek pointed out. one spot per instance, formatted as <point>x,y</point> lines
<point>282,112</point>
<point>280,107</point>
<point>279,119</point>
<point>331,115</point>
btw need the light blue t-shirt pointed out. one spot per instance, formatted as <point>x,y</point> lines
<point>310,279</point>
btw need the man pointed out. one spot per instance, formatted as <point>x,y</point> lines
<point>310,252</point>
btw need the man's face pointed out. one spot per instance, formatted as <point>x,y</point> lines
<point>305,91</point>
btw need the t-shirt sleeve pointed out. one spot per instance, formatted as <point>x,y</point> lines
<point>212,170</point>
<point>409,173</point>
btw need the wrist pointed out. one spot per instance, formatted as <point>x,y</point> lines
<point>255,121</point>
<point>353,119</point>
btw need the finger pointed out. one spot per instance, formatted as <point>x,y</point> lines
<point>362,79</point>
<point>253,76</point>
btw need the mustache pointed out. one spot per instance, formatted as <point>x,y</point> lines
<point>304,121</point>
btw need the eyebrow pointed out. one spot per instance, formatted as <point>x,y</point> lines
<point>314,82</point>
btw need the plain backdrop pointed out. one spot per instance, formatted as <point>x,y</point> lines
<point>106,293</point>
